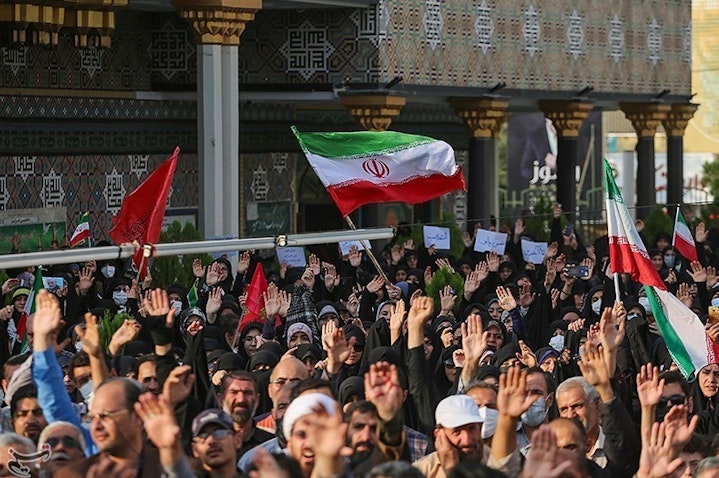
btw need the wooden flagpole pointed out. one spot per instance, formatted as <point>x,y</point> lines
<point>369,252</point>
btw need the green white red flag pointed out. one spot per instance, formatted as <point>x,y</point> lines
<point>365,167</point>
<point>683,241</point>
<point>689,345</point>
<point>82,231</point>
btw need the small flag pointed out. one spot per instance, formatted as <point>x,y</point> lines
<point>192,295</point>
<point>142,211</point>
<point>367,167</point>
<point>682,239</point>
<point>689,345</point>
<point>82,231</point>
<point>255,302</point>
<point>29,309</point>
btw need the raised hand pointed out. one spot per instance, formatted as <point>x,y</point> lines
<point>396,254</point>
<point>85,281</point>
<point>90,336</point>
<point>10,285</point>
<point>198,270</point>
<point>544,458</point>
<point>420,312</point>
<point>471,284</point>
<point>396,320</point>
<point>483,270</point>
<point>6,312</point>
<point>697,271</point>
<point>590,268</point>
<point>512,398</point>
<point>700,235</point>
<point>48,320</point>
<point>474,344</point>
<point>684,295</point>
<point>178,385</point>
<point>308,278</point>
<point>657,459</point>
<point>594,370</point>
<point>213,274</point>
<point>244,263</point>
<point>493,261</point>
<point>526,356</point>
<point>555,297</point>
<point>375,285</point>
<point>352,305</point>
<point>550,275</point>
<point>314,264</point>
<point>677,420</point>
<point>444,264</point>
<point>506,299</point>
<point>283,269</point>
<point>649,387</point>
<point>428,274</point>
<point>552,250</point>
<point>526,296</point>
<point>157,413</point>
<point>159,306</point>
<point>336,346</point>
<point>394,292</point>
<point>576,325</point>
<point>711,277</point>
<point>467,239</point>
<point>712,330</point>
<point>285,301</point>
<point>447,299</point>
<point>332,279</point>
<point>272,300</point>
<point>127,332</point>
<point>214,301</point>
<point>383,389</point>
<point>408,245</point>
<point>612,326</point>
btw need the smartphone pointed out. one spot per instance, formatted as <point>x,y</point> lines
<point>713,315</point>
<point>53,284</point>
<point>569,230</point>
<point>576,271</point>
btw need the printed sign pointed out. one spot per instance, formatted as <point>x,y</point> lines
<point>488,241</point>
<point>437,237</point>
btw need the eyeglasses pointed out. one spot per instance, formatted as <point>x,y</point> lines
<point>671,401</point>
<point>282,381</point>
<point>218,434</point>
<point>104,416</point>
<point>35,412</point>
<point>67,442</point>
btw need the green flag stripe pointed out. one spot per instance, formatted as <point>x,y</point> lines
<point>674,344</point>
<point>358,144</point>
<point>611,185</point>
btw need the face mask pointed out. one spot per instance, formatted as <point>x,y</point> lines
<point>597,306</point>
<point>78,346</point>
<point>108,271</point>
<point>86,391</point>
<point>715,302</point>
<point>557,343</point>
<point>536,413</point>
<point>644,302</point>
<point>120,297</point>
<point>669,261</point>
<point>177,305</point>
<point>489,421</point>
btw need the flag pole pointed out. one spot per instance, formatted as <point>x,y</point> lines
<point>617,292</point>
<point>369,252</point>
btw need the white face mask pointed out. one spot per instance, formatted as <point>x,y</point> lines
<point>108,271</point>
<point>644,302</point>
<point>536,413</point>
<point>489,423</point>
<point>177,305</point>
<point>78,346</point>
<point>597,306</point>
<point>86,391</point>
<point>557,343</point>
<point>120,297</point>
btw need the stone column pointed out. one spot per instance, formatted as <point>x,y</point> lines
<point>567,117</point>
<point>218,25</point>
<point>675,124</point>
<point>484,118</point>
<point>646,118</point>
<point>375,111</point>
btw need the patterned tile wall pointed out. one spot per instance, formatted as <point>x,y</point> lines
<point>88,183</point>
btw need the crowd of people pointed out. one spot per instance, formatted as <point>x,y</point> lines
<point>526,370</point>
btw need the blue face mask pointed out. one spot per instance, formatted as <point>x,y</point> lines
<point>715,302</point>
<point>669,260</point>
<point>557,343</point>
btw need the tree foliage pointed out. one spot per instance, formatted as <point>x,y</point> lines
<point>177,269</point>
<point>710,176</point>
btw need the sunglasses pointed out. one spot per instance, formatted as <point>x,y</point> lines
<point>671,401</point>
<point>67,442</point>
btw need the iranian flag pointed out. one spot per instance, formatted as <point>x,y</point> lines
<point>367,167</point>
<point>683,240</point>
<point>689,345</point>
<point>82,231</point>
<point>29,309</point>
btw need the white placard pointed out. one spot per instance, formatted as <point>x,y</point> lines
<point>488,241</point>
<point>346,245</point>
<point>534,252</point>
<point>292,256</point>
<point>437,237</point>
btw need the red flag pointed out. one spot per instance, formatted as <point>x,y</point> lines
<point>142,211</point>
<point>255,302</point>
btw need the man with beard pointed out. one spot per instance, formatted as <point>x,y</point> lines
<point>362,430</point>
<point>27,416</point>
<point>214,443</point>
<point>66,443</point>
<point>239,398</point>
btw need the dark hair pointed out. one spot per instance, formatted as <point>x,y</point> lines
<point>547,377</point>
<point>360,406</point>
<point>132,389</point>
<point>394,469</point>
<point>481,384</point>
<point>285,462</point>
<point>474,469</point>
<point>147,358</point>
<point>80,359</point>
<point>237,375</point>
<point>310,384</point>
<point>698,444</point>
<point>674,376</point>
<point>13,361</point>
<point>26,391</point>
<point>229,323</point>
